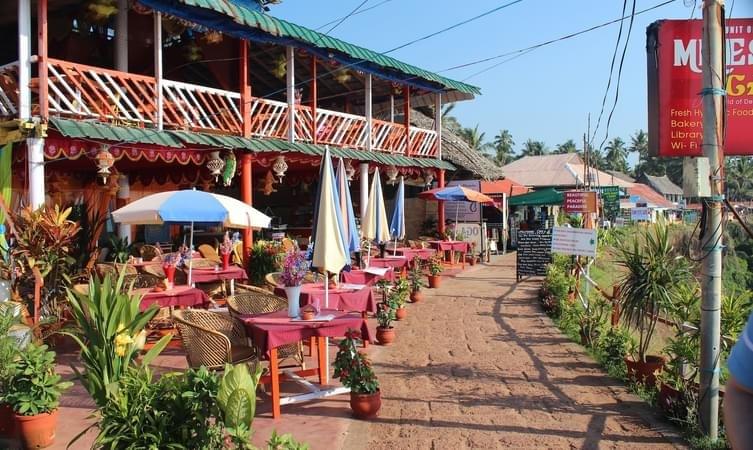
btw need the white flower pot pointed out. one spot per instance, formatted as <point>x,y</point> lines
<point>294,300</point>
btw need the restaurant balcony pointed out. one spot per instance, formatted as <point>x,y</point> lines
<point>84,92</point>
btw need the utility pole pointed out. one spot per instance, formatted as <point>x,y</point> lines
<point>713,93</point>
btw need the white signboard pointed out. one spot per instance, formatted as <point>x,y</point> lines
<point>471,232</point>
<point>463,211</point>
<point>642,213</point>
<point>574,241</point>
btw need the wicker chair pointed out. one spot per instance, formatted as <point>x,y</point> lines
<point>259,301</point>
<point>272,280</point>
<point>150,252</point>
<point>212,339</point>
<point>208,252</point>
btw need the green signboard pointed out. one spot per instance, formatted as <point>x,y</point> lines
<point>610,196</point>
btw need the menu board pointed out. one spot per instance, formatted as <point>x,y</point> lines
<point>534,252</point>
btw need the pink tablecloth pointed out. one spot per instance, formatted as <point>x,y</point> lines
<point>340,299</point>
<point>178,296</point>
<point>410,253</point>
<point>396,262</point>
<point>205,275</point>
<point>275,329</point>
<point>458,246</point>
<point>369,279</point>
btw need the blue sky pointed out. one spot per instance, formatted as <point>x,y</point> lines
<point>546,94</point>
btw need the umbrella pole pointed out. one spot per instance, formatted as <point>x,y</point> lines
<point>190,258</point>
<point>326,340</point>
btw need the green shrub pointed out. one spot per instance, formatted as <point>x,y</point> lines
<point>613,346</point>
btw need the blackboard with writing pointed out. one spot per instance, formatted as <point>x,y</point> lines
<point>534,252</point>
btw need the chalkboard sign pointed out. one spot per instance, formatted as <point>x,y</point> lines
<point>534,252</point>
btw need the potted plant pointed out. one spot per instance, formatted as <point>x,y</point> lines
<point>416,280</point>
<point>385,315</point>
<point>34,391</point>
<point>650,284</point>
<point>8,349</point>
<point>294,269</point>
<point>399,297</point>
<point>354,370</point>
<point>435,269</point>
<point>226,249</point>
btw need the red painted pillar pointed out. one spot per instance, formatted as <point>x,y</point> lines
<point>440,205</point>
<point>245,89</point>
<point>406,116</point>
<point>246,197</point>
<point>314,97</point>
<point>42,55</point>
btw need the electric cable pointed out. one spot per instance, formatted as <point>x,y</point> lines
<point>354,14</point>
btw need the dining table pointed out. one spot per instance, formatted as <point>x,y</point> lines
<point>410,253</point>
<point>370,276</point>
<point>344,297</point>
<point>272,330</point>
<point>397,262</point>
<point>180,296</point>
<point>217,273</point>
<point>462,247</point>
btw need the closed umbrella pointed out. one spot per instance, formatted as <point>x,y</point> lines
<point>397,225</point>
<point>375,226</point>
<point>352,242</point>
<point>330,254</point>
<point>191,207</point>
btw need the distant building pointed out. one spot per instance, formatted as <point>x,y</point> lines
<point>562,171</point>
<point>664,186</point>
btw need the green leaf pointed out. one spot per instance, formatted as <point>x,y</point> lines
<point>156,350</point>
<point>239,408</point>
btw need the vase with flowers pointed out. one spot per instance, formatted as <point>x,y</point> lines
<point>354,370</point>
<point>226,249</point>
<point>294,269</point>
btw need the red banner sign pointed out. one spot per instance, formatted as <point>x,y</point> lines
<point>675,81</point>
<point>580,202</point>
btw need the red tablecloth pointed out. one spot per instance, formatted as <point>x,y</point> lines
<point>369,279</point>
<point>275,329</point>
<point>396,262</point>
<point>458,246</point>
<point>208,275</point>
<point>177,296</point>
<point>410,253</point>
<point>339,299</point>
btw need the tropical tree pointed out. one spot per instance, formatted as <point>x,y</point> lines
<point>449,120</point>
<point>503,145</point>
<point>616,155</point>
<point>475,139</point>
<point>534,148</point>
<point>566,147</point>
<point>739,178</point>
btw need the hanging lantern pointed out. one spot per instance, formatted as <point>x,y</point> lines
<point>391,173</point>
<point>349,170</point>
<point>215,164</point>
<point>428,176</point>
<point>280,167</point>
<point>104,161</point>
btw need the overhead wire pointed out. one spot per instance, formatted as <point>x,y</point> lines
<point>354,14</point>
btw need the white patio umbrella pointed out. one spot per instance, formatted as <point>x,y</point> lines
<point>190,207</point>
<point>375,226</point>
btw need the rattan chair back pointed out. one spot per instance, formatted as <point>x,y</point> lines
<point>208,252</point>
<point>208,337</point>
<point>150,252</point>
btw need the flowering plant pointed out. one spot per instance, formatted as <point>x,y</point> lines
<point>353,368</point>
<point>435,265</point>
<point>172,259</point>
<point>294,269</point>
<point>227,245</point>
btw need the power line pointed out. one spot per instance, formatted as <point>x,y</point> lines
<point>354,14</point>
<point>343,19</point>
<point>611,73</point>
<point>459,24</point>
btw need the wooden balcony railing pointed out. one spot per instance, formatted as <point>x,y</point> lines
<point>87,92</point>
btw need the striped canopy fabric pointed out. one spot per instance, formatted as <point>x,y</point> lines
<point>191,206</point>
<point>458,194</point>
<point>375,226</point>
<point>330,254</point>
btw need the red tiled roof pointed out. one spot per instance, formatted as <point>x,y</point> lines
<point>649,195</point>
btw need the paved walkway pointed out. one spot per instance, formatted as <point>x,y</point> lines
<point>478,365</point>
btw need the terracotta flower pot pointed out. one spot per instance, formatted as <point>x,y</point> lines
<point>645,372</point>
<point>37,431</point>
<point>8,428</point>
<point>668,397</point>
<point>434,281</point>
<point>365,406</point>
<point>416,296</point>
<point>385,336</point>
<point>401,313</point>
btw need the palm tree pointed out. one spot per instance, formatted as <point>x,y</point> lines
<point>566,147</point>
<point>475,139</point>
<point>503,144</point>
<point>739,178</point>
<point>448,120</point>
<point>534,148</point>
<point>616,156</point>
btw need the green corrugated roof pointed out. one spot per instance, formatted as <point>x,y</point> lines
<point>283,29</point>
<point>175,138</point>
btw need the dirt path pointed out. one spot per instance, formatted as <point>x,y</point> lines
<point>478,365</point>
